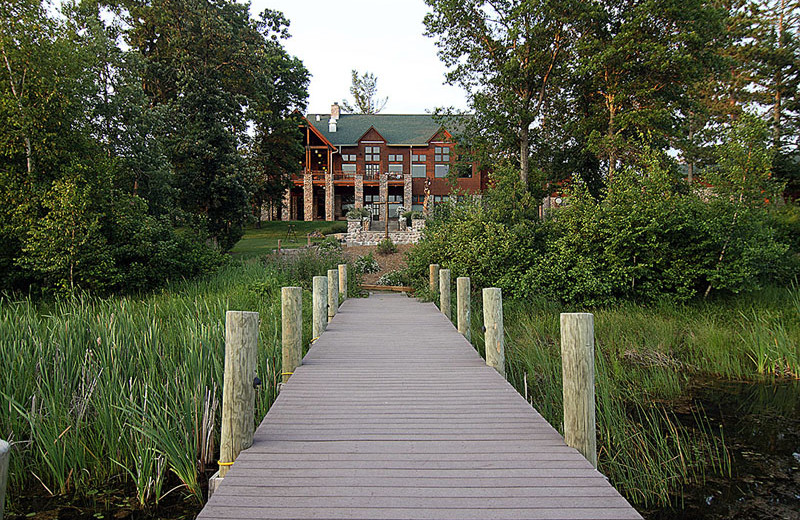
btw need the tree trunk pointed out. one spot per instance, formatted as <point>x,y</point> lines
<point>612,151</point>
<point>776,107</point>
<point>524,144</point>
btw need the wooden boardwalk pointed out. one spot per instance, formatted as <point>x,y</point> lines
<point>394,415</point>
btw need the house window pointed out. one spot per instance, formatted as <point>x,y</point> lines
<point>373,154</point>
<point>442,154</point>
<point>395,168</point>
<point>441,170</point>
<point>350,168</point>
<point>395,158</point>
<point>348,158</point>
<point>418,170</point>
<point>371,170</point>
<point>420,158</point>
<point>438,199</point>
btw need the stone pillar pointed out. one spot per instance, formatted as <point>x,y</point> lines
<point>384,194</point>
<point>359,188</point>
<point>308,197</point>
<point>329,196</point>
<point>286,214</point>
<point>407,195</point>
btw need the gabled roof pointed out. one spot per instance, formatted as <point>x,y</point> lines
<point>396,129</point>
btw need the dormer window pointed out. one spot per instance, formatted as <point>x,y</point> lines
<point>442,154</point>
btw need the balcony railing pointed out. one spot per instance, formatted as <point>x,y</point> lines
<point>350,175</point>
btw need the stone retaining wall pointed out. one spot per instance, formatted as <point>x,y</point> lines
<point>356,236</point>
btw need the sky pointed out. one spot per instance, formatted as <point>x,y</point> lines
<point>383,37</point>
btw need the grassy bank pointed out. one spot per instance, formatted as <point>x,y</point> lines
<point>101,393</point>
<point>263,240</point>
<point>645,360</point>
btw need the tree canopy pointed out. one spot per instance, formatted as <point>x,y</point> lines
<point>364,89</point>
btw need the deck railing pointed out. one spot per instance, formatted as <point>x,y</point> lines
<point>318,175</point>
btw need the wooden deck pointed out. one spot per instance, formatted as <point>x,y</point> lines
<point>394,415</point>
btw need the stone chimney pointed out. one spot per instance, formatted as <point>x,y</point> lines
<point>335,112</point>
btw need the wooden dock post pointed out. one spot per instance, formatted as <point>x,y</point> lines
<point>343,280</point>
<point>5,454</point>
<point>333,293</point>
<point>577,362</point>
<point>434,277</point>
<point>320,299</point>
<point>493,322</point>
<point>238,390</point>
<point>279,246</point>
<point>444,292</point>
<point>291,330</point>
<point>463,306</point>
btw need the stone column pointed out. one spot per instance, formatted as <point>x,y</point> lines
<point>384,194</point>
<point>359,188</point>
<point>329,196</point>
<point>286,214</point>
<point>308,197</point>
<point>407,196</point>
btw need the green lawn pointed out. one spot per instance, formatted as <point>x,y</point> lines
<point>264,240</point>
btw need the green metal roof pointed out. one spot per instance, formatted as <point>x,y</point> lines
<point>396,129</point>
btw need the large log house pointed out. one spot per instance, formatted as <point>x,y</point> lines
<point>358,160</point>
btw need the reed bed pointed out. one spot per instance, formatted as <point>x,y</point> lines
<point>98,393</point>
<point>646,358</point>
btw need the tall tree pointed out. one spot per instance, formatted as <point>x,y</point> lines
<point>364,89</point>
<point>636,62</point>
<point>509,55</point>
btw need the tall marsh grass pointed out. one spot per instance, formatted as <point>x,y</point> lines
<point>95,391</point>
<point>645,359</point>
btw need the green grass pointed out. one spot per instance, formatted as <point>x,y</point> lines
<point>116,392</point>
<point>645,358</point>
<point>265,239</point>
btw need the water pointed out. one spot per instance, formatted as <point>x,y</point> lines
<point>761,426</point>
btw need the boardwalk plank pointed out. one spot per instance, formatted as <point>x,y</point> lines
<point>405,434</point>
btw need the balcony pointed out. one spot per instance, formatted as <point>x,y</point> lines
<point>339,175</point>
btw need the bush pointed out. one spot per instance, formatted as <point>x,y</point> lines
<point>386,247</point>
<point>366,264</point>
<point>358,213</point>
<point>394,278</point>
<point>330,246</point>
<point>337,227</point>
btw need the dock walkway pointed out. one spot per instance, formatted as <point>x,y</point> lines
<point>393,415</point>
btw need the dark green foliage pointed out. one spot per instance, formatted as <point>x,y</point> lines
<point>648,238</point>
<point>119,161</point>
<point>386,247</point>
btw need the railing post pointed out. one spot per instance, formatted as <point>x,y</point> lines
<point>433,277</point>
<point>493,322</point>
<point>343,280</point>
<point>577,362</point>
<point>291,330</point>
<point>444,292</point>
<point>333,293</point>
<point>279,246</point>
<point>463,306</point>
<point>238,390</point>
<point>5,454</point>
<point>320,299</point>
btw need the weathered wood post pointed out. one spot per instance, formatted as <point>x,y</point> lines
<point>577,362</point>
<point>238,389</point>
<point>462,304</point>
<point>333,293</point>
<point>291,330</point>
<point>444,292</point>
<point>5,454</point>
<point>320,299</point>
<point>343,280</point>
<point>308,243</point>
<point>434,277</point>
<point>279,246</point>
<point>493,322</point>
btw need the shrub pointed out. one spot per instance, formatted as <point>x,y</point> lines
<point>358,213</point>
<point>330,246</point>
<point>337,227</point>
<point>386,247</point>
<point>366,264</point>
<point>394,278</point>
